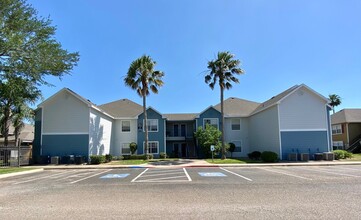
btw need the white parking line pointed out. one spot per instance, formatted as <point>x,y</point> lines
<point>162,179</point>
<point>236,174</point>
<point>162,174</point>
<point>90,176</point>
<point>39,178</point>
<point>323,171</point>
<point>288,174</point>
<point>139,175</point>
<point>185,171</point>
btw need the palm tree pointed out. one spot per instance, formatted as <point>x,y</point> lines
<point>142,77</point>
<point>223,70</point>
<point>335,100</point>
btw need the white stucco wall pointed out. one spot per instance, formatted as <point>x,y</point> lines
<point>239,138</point>
<point>100,131</point>
<point>65,114</point>
<point>303,110</point>
<point>264,131</point>
<point>123,137</point>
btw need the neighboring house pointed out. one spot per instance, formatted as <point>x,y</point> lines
<point>346,129</point>
<point>295,121</point>
<point>26,136</point>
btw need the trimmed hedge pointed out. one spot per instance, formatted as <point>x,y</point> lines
<point>269,156</point>
<point>255,155</point>
<point>97,159</point>
<point>342,154</point>
<point>137,157</point>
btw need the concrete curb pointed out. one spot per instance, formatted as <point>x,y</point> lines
<point>55,167</point>
<point>2,176</point>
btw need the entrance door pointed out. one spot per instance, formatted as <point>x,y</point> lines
<point>184,150</point>
<point>175,149</point>
<point>183,130</point>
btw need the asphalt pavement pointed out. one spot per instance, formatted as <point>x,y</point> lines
<point>300,192</point>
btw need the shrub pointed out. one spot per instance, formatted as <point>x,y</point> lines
<point>133,147</point>
<point>232,147</point>
<point>108,158</point>
<point>163,155</point>
<point>148,157</point>
<point>342,154</point>
<point>255,155</point>
<point>269,156</point>
<point>97,159</point>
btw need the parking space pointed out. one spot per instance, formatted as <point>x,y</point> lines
<point>207,175</point>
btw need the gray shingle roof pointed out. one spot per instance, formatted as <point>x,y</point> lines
<point>274,99</point>
<point>122,108</point>
<point>180,117</point>
<point>346,115</point>
<point>235,107</point>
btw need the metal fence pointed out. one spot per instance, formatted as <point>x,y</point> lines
<point>10,157</point>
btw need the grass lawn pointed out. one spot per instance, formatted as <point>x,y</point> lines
<point>355,157</point>
<point>127,162</point>
<point>13,170</point>
<point>232,160</point>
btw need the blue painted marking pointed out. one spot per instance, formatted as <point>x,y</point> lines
<point>115,176</point>
<point>211,174</point>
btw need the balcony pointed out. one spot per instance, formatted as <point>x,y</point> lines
<point>176,138</point>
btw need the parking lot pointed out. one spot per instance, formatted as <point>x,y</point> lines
<point>301,192</point>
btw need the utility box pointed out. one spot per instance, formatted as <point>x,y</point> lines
<point>305,157</point>
<point>54,160</point>
<point>292,157</point>
<point>328,156</point>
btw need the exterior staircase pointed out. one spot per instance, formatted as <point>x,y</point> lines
<point>355,147</point>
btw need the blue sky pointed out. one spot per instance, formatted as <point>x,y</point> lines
<point>280,43</point>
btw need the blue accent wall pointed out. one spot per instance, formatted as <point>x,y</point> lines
<point>303,142</point>
<point>37,133</point>
<point>210,113</point>
<point>63,145</point>
<point>152,136</point>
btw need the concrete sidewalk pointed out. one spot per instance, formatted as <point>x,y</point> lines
<point>195,163</point>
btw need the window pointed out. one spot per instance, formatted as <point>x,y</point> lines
<point>210,121</point>
<point>125,126</point>
<point>238,145</point>
<point>175,129</point>
<point>153,147</point>
<point>337,145</point>
<point>125,150</point>
<point>152,125</point>
<point>236,124</point>
<point>336,129</point>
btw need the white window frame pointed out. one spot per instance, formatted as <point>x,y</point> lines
<point>121,149</point>
<point>338,144</point>
<point>148,124</point>
<point>210,119</point>
<point>239,123</point>
<point>336,129</point>
<point>121,126</point>
<point>151,142</point>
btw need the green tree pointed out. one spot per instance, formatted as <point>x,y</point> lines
<point>143,78</point>
<point>232,148</point>
<point>27,45</point>
<point>207,137</point>
<point>223,70</point>
<point>15,94</point>
<point>20,113</point>
<point>335,100</point>
<point>28,53</point>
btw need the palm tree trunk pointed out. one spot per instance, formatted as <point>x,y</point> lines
<point>222,116</point>
<point>145,125</point>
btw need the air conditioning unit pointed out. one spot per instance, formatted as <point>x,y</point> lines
<point>305,157</point>
<point>292,157</point>
<point>328,156</point>
<point>54,160</point>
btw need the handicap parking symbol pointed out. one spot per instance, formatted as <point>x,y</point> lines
<point>115,176</point>
<point>211,174</point>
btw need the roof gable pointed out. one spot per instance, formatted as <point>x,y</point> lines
<point>123,108</point>
<point>346,116</point>
<point>235,107</point>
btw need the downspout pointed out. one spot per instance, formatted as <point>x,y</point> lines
<point>279,129</point>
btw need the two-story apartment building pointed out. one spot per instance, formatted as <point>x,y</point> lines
<point>296,120</point>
